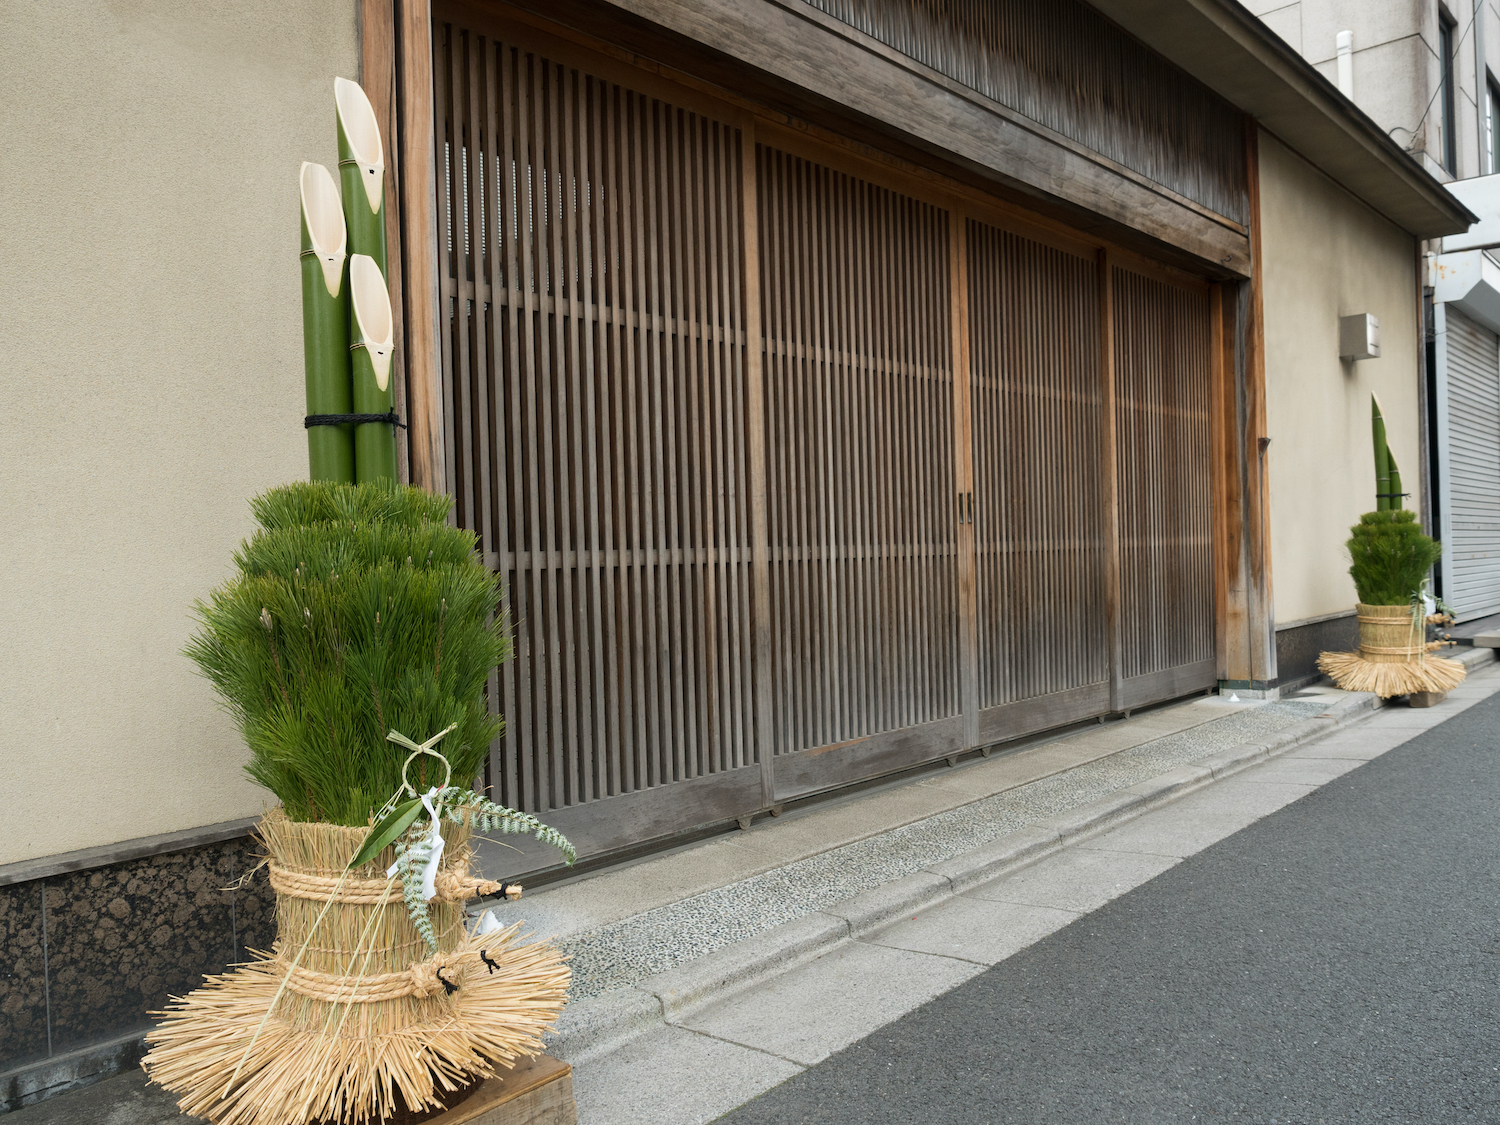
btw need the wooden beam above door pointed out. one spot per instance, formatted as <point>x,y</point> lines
<point>787,58</point>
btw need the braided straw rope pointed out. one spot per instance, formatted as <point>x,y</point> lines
<point>421,980</point>
<point>452,886</point>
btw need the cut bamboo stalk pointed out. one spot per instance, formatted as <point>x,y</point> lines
<point>373,330</point>
<point>1382,457</point>
<point>325,324</point>
<point>361,171</point>
<point>1393,476</point>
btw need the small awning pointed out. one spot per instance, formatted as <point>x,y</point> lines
<point>1469,280</point>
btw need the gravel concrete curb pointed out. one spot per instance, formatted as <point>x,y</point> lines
<point>598,1024</point>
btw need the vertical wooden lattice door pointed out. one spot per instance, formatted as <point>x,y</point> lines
<point>1039,488</point>
<point>858,374</point>
<point>604,238</point>
<point>591,239</point>
<point>1163,393</point>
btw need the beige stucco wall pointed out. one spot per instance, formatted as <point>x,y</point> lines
<point>151,331</point>
<point>1326,255</point>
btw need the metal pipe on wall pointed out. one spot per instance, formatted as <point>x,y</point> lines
<point>1480,90</point>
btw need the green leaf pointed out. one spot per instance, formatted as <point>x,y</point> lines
<point>387,831</point>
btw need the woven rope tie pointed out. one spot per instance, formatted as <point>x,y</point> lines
<point>451,886</point>
<point>1382,651</point>
<point>421,981</point>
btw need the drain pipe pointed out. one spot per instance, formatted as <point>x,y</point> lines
<point>1481,94</point>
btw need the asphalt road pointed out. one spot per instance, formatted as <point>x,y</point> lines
<point>1335,962</point>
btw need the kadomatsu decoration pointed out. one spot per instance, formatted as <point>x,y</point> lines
<point>1389,561</point>
<point>352,647</point>
<point>347,326</point>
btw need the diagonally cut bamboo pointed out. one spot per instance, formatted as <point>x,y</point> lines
<point>372,329</point>
<point>361,171</point>
<point>325,324</point>
<point>1382,458</point>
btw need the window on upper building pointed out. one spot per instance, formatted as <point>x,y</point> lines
<point>1450,128</point>
<point>1492,126</point>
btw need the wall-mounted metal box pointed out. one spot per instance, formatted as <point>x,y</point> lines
<point>1359,336</point>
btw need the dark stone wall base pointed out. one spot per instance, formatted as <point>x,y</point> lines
<point>1297,648</point>
<point>86,956</point>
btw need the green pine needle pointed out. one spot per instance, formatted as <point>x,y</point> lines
<point>1390,557</point>
<point>356,610</point>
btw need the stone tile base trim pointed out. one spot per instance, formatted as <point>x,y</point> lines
<point>600,1024</point>
<point>70,1071</point>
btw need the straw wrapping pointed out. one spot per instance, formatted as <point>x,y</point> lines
<point>348,1019</point>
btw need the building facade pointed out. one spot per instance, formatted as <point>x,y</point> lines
<point>1426,72</point>
<point>839,386</point>
<point>1412,66</point>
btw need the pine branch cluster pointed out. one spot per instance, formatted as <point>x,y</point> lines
<point>356,610</point>
<point>1390,557</point>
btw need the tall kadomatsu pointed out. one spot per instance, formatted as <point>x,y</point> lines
<point>352,647</point>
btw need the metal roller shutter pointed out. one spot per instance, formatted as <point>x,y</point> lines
<point>1471,517</point>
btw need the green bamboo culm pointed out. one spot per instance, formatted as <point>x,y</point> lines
<point>325,324</point>
<point>1389,557</point>
<point>1382,459</point>
<point>372,332</point>
<point>361,171</point>
<point>1393,478</point>
<point>356,610</point>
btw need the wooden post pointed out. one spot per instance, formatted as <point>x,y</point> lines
<point>412,251</point>
<point>1261,615</point>
<point>1230,635</point>
<point>755,425</point>
<point>1109,463</point>
<point>1246,623</point>
<point>963,476</point>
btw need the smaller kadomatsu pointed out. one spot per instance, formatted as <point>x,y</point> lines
<point>1390,558</point>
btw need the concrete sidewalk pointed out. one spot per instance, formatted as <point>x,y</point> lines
<point>719,1053</point>
<point>1331,962</point>
<point>706,975</point>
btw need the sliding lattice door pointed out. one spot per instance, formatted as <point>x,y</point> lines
<point>1163,420</point>
<point>859,451</point>
<point>1037,386</point>
<point>796,472</point>
<point>596,426</point>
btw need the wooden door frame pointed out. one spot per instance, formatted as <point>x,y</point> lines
<point>396,72</point>
<point>1246,637</point>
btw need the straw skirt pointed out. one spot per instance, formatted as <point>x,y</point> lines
<point>1393,656</point>
<point>350,1018</point>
